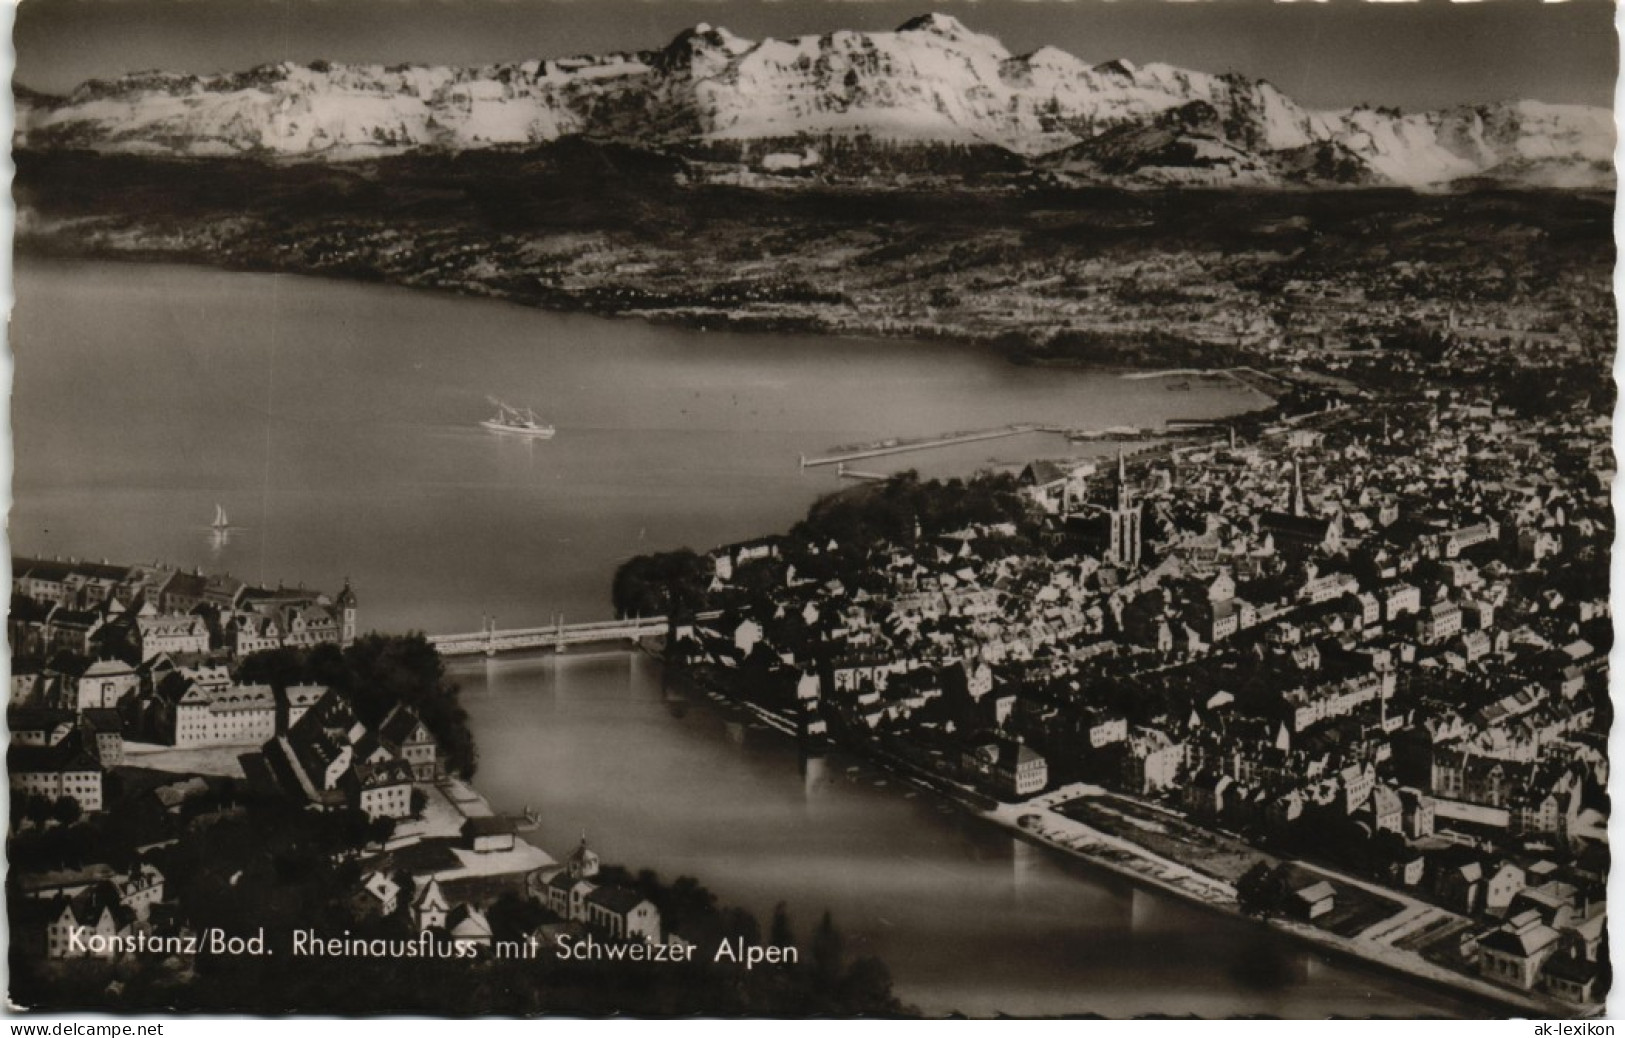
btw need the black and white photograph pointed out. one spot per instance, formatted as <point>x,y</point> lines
<point>902,509</point>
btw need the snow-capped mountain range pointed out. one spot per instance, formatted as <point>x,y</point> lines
<point>932,81</point>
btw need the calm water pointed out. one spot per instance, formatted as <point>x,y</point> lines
<point>967,916</point>
<point>336,423</point>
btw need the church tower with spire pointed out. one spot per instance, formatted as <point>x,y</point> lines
<point>1124,540</point>
<point>582,862</point>
<point>346,604</point>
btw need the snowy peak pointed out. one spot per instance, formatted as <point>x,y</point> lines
<point>1119,67</point>
<point>940,24</point>
<point>702,50</point>
<point>931,81</point>
<point>952,32</point>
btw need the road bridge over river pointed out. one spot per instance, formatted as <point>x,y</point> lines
<point>490,640</point>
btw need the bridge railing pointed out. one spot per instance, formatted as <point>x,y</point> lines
<point>554,631</point>
<point>559,633</point>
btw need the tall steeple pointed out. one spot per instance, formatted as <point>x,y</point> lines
<point>1297,490</point>
<point>582,862</point>
<point>1124,520</point>
<point>346,604</point>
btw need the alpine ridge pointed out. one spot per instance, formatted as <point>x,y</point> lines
<point>771,103</point>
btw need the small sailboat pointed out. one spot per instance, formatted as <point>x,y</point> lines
<point>517,421</point>
<point>219,530</point>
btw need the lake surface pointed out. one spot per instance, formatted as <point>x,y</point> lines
<point>337,425</point>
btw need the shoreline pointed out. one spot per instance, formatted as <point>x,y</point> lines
<point>1160,874</point>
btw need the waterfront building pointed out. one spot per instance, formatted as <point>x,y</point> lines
<point>1313,901</point>
<point>489,834</point>
<point>380,790</point>
<point>330,760</point>
<point>1010,769</point>
<point>405,736</point>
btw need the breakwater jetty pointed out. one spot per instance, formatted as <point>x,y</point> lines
<point>880,450</point>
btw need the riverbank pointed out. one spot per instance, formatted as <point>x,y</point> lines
<point>1034,819</point>
<point>1038,821</point>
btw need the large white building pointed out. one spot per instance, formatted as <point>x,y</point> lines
<point>236,714</point>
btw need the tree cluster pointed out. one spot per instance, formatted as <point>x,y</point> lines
<point>375,673</point>
<point>671,583</point>
<point>1264,890</point>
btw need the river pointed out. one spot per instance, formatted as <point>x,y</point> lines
<point>336,423</point>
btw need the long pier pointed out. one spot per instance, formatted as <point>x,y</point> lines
<point>488,640</point>
<point>931,443</point>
